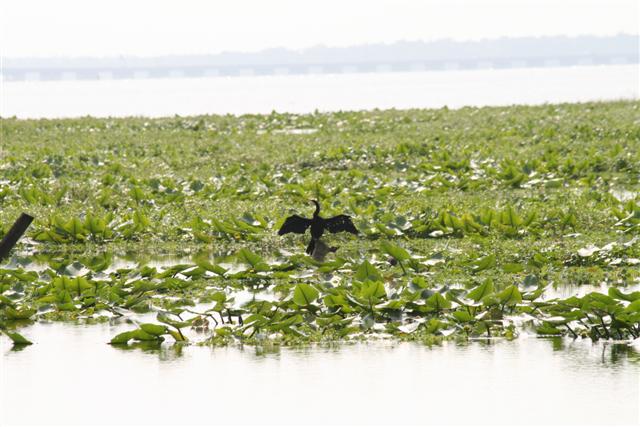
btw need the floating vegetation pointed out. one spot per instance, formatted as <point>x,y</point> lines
<point>470,222</point>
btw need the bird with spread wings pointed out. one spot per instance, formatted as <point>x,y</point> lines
<point>318,225</point>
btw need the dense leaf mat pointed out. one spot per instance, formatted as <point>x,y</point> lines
<point>474,222</point>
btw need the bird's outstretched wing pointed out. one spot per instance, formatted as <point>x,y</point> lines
<point>294,224</point>
<point>340,223</point>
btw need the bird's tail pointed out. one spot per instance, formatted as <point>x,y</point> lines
<point>311,247</point>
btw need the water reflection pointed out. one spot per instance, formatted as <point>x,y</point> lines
<point>74,264</point>
<point>164,351</point>
<point>18,347</point>
<point>606,353</point>
<point>495,381</point>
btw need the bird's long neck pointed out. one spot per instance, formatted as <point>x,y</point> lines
<point>317,211</point>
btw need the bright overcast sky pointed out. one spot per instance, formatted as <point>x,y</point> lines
<point>158,27</point>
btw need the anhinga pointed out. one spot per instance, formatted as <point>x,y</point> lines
<point>298,224</point>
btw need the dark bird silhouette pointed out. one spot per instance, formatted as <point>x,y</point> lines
<point>298,224</point>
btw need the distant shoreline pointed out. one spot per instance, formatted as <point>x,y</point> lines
<point>526,52</point>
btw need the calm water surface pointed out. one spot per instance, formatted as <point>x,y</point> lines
<point>70,376</point>
<point>328,92</point>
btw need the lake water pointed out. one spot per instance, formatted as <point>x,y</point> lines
<point>71,377</point>
<point>325,92</point>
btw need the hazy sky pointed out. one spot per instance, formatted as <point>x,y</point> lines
<point>149,28</point>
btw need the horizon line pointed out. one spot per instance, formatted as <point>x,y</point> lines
<point>322,46</point>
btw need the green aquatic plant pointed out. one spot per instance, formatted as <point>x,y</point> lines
<point>474,222</point>
<point>16,338</point>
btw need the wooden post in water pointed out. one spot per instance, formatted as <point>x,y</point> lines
<point>14,234</point>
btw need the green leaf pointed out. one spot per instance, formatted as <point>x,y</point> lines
<point>511,218</point>
<point>419,282</point>
<point>437,302</point>
<point>254,260</point>
<point>373,290</point>
<point>538,260</point>
<point>481,291</point>
<point>366,271</point>
<point>163,318</point>
<point>202,237</point>
<point>510,296</point>
<point>137,194</point>
<point>532,296</point>
<point>75,228</point>
<point>513,268</point>
<point>204,263</point>
<point>618,294</point>
<point>17,338</point>
<point>23,314</point>
<point>304,294</point>
<point>434,325</point>
<point>153,329</point>
<point>601,299</point>
<point>335,301</point>
<point>140,220</point>
<point>462,316</point>
<point>395,251</point>
<point>634,307</point>
<point>141,335</point>
<point>122,338</point>
<point>483,263</point>
<point>6,301</point>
